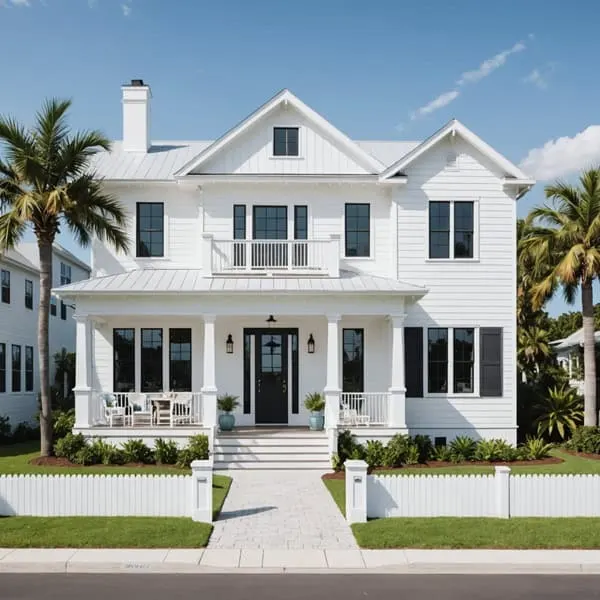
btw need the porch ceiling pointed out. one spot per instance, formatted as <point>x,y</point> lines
<point>193,281</point>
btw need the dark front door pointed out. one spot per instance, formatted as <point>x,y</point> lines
<point>271,391</point>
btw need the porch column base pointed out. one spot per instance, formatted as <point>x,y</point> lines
<point>332,407</point>
<point>83,407</point>
<point>209,406</point>
<point>397,408</point>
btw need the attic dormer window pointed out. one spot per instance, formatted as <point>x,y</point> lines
<point>285,141</point>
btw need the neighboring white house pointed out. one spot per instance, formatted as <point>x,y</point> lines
<point>569,355</point>
<point>286,258</point>
<point>19,300</point>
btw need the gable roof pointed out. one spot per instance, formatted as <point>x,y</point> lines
<point>283,97</point>
<point>454,127</point>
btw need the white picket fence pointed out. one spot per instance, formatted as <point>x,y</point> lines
<point>109,495</point>
<point>501,495</point>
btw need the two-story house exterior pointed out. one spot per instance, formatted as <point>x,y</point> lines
<point>19,301</point>
<point>286,258</point>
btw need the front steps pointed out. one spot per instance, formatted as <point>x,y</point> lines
<point>272,450</point>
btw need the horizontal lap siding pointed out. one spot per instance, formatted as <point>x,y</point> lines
<point>478,294</point>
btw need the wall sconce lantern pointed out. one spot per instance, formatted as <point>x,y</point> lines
<point>311,344</point>
<point>229,344</point>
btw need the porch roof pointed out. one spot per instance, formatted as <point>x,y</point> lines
<point>193,281</point>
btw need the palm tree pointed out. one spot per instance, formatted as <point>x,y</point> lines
<point>566,237</point>
<point>46,183</point>
<point>532,348</point>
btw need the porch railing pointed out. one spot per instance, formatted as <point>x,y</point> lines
<point>134,409</point>
<point>364,408</point>
<point>297,256</point>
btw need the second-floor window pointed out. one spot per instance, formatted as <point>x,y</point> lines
<point>357,230</point>
<point>451,230</point>
<point>29,368</point>
<point>16,368</point>
<point>300,222</point>
<point>285,141</point>
<point>3,367</point>
<point>5,286</point>
<point>53,306</point>
<point>65,274</point>
<point>29,294</point>
<point>150,229</point>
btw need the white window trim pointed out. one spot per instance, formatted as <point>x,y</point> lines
<point>476,227</point>
<point>371,256</point>
<point>300,140</point>
<point>290,218</point>
<point>451,394</point>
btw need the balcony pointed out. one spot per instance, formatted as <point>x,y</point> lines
<point>269,257</point>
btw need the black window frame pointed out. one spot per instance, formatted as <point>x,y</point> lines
<point>177,364</point>
<point>466,231</point>
<point>462,360</point>
<point>63,310</point>
<point>2,367</point>
<point>357,230</point>
<point>122,364</point>
<point>439,229</point>
<point>151,366</point>
<point>29,368</point>
<point>65,274</point>
<point>239,222</point>
<point>440,364</point>
<point>142,249</point>
<point>29,294</point>
<point>53,305</point>
<point>285,144</point>
<point>5,284</point>
<point>458,230</point>
<point>301,222</point>
<point>350,382</point>
<point>16,370</point>
<point>280,219</point>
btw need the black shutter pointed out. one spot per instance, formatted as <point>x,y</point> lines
<point>413,361</point>
<point>490,374</point>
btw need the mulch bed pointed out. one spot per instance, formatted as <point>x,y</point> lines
<point>581,454</point>
<point>437,464</point>
<point>55,461</point>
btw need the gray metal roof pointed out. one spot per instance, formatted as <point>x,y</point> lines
<point>573,340</point>
<point>193,281</point>
<point>164,158</point>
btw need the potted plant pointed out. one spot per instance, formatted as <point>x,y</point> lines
<point>227,404</point>
<point>315,403</point>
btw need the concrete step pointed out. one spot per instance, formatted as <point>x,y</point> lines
<point>254,442</point>
<point>273,465</point>
<point>268,450</point>
<point>269,457</point>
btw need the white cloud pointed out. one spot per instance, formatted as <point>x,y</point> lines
<point>565,155</point>
<point>437,103</point>
<point>536,78</point>
<point>20,2</point>
<point>487,67</point>
<point>126,8</point>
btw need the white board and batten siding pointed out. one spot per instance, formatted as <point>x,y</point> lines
<point>462,293</point>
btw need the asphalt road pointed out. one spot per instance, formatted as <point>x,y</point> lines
<point>296,587</point>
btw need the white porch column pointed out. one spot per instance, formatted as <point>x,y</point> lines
<point>332,386</point>
<point>209,387</point>
<point>397,406</point>
<point>83,371</point>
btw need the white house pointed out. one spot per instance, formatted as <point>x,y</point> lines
<point>19,300</point>
<point>286,258</point>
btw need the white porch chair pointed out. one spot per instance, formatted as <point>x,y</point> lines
<point>351,417</point>
<point>112,411</point>
<point>181,409</point>
<point>140,409</point>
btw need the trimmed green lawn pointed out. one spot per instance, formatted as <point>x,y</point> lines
<point>452,532</point>
<point>102,532</point>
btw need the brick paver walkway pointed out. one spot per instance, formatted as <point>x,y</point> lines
<point>280,509</point>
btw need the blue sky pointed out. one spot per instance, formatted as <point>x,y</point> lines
<point>520,74</point>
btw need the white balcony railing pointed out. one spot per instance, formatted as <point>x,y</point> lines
<point>315,257</point>
<point>133,409</point>
<point>364,408</point>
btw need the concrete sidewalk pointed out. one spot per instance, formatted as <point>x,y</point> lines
<point>298,561</point>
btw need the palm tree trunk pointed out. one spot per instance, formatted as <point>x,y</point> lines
<point>45,249</point>
<point>590,415</point>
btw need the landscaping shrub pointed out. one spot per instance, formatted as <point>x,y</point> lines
<point>5,430</point>
<point>585,439</point>
<point>425,446</point>
<point>86,456</point>
<point>63,422</point>
<point>165,451</point>
<point>397,450</point>
<point>25,432</point>
<point>135,451</point>
<point>106,453</point>
<point>412,455</point>
<point>495,450</point>
<point>462,448</point>
<point>68,446</point>
<point>336,463</point>
<point>374,451</point>
<point>196,449</point>
<point>346,446</point>
<point>535,449</point>
<point>442,453</point>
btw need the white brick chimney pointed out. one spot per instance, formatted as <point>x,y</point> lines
<point>136,116</point>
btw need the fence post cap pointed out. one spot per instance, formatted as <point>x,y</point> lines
<point>202,464</point>
<point>502,469</point>
<point>354,465</point>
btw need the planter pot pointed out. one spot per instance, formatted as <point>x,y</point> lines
<point>316,422</point>
<point>226,422</point>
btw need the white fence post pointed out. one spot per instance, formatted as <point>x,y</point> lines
<point>202,476</point>
<point>356,491</point>
<point>503,492</point>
